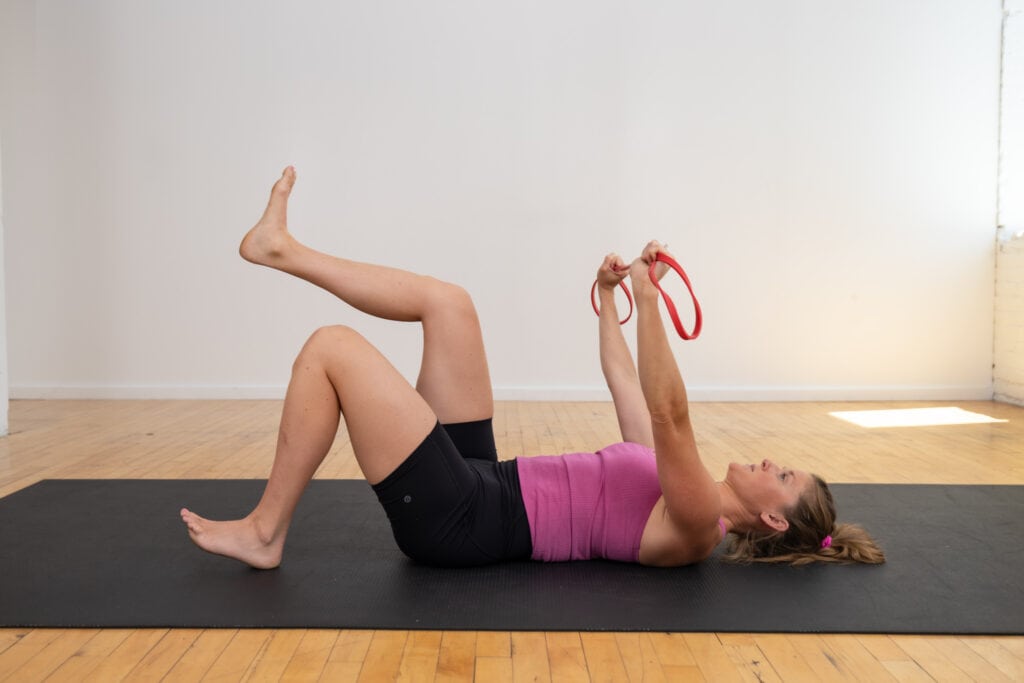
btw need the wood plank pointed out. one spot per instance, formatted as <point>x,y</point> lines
<point>931,659</point>
<point>24,649</point>
<point>671,649</point>
<point>748,658</point>
<point>237,659</point>
<point>456,661</point>
<point>51,657</point>
<point>127,656</point>
<point>494,644</point>
<point>998,656</point>
<point>684,674</point>
<point>272,659</point>
<point>347,655</point>
<point>162,658</point>
<point>966,659</point>
<point>89,656</point>
<point>883,648</point>
<point>822,661</point>
<point>419,659</point>
<point>310,657</point>
<point>341,672</point>
<point>856,658</point>
<point>640,657</point>
<point>1013,644</point>
<point>201,655</point>
<point>778,650</point>
<point>603,659</point>
<point>907,672</point>
<point>384,656</point>
<point>529,657</point>
<point>496,669</point>
<point>566,659</point>
<point>712,658</point>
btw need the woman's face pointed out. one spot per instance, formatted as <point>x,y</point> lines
<point>766,487</point>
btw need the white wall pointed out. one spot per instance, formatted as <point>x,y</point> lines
<point>4,403</point>
<point>1008,365</point>
<point>826,172</point>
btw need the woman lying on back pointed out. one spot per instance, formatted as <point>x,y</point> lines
<point>429,451</point>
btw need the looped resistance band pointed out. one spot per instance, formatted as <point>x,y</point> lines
<point>699,319</point>
<point>622,283</point>
<point>669,304</point>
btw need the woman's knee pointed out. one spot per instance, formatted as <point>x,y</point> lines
<point>328,340</point>
<point>450,299</point>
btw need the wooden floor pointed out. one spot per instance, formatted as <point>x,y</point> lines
<point>235,439</point>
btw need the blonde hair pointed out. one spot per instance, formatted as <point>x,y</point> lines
<point>810,522</point>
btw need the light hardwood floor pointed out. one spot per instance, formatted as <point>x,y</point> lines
<point>235,439</point>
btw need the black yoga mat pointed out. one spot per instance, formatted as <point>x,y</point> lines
<point>85,553</point>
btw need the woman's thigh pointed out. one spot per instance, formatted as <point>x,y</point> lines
<point>385,416</point>
<point>454,377</point>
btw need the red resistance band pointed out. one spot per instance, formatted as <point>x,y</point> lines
<point>622,283</point>
<point>669,304</point>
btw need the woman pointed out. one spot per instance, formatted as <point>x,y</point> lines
<point>429,452</point>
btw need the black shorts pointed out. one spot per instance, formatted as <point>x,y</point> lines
<point>452,504</point>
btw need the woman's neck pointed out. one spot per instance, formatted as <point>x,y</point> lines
<point>737,517</point>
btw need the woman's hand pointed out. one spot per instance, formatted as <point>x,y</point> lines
<point>639,270</point>
<point>612,271</point>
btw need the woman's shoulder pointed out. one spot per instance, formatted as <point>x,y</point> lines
<point>665,544</point>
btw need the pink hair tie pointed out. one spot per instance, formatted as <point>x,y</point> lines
<point>827,543</point>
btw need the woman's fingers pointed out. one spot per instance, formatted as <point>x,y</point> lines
<point>612,270</point>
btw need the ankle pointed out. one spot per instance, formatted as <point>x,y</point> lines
<point>267,531</point>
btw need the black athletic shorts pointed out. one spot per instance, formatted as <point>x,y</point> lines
<point>452,504</point>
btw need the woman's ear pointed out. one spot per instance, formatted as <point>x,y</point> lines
<point>774,521</point>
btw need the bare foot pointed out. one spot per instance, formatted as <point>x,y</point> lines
<point>267,240</point>
<point>238,539</point>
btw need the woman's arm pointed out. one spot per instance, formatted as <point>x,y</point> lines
<point>616,360</point>
<point>691,495</point>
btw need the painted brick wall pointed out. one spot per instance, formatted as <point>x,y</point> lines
<point>1008,371</point>
<point>1009,329</point>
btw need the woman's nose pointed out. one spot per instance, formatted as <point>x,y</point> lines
<point>766,463</point>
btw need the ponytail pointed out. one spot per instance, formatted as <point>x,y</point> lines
<point>812,536</point>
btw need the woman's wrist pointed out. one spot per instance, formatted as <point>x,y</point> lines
<point>645,292</point>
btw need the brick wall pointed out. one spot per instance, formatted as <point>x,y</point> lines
<point>1008,360</point>
<point>1009,329</point>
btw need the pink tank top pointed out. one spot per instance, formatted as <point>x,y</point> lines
<point>583,506</point>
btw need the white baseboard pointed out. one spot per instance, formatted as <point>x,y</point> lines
<point>706,394</point>
<point>538,393</point>
<point>845,393</point>
<point>145,392</point>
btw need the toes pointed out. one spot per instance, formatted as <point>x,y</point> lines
<point>192,520</point>
<point>284,185</point>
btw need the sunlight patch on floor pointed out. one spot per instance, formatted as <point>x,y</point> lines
<point>913,417</point>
